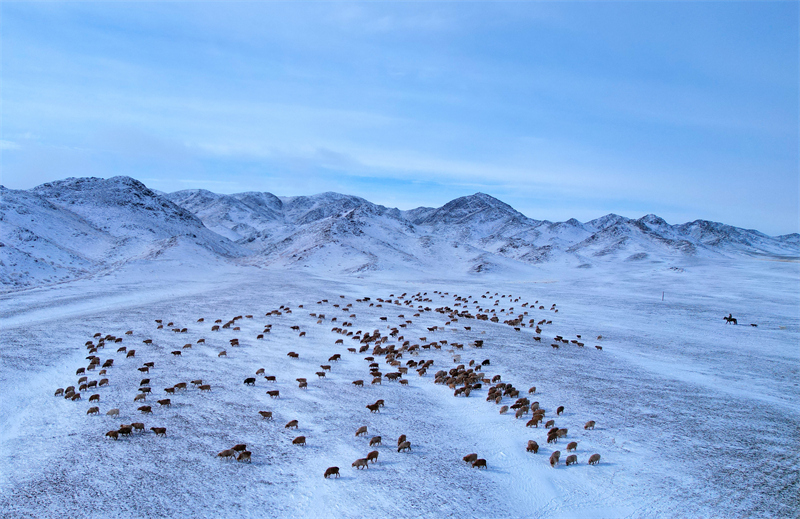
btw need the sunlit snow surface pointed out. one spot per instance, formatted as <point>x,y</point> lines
<point>695,418</point>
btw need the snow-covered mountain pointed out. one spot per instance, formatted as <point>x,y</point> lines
<point>80,226</point>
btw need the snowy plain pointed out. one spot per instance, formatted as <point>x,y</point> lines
<point>695,418</point>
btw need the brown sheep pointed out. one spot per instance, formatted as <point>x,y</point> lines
<point>405,446</point>
<point>554,458</point>
<point>244,456</point>
<point>549,424</point>
<point>144,382</point>
<point>145,409</point>
<point>94,398</point>
<point>303,385</point>
<point>375,440</point>
<point>169,390</point>
<point>197,382</point>
<point>572,446</point>
<point>361,463</point>
<point>260,371</point>
<point>533,446</point>
<point>145,369</point>
<point>532,390</point>
<point>165,402</point>
<point>125,430</point>
<point>594,459</point>
<point>589,425</point>
<point>80,371</point>
<point>160,431</point>
<point>361,430</point>
<point>140,396</point>
<point>112,434</point>
<point>478,463</point>
<point>145,389</point>
<point>572,458</point>
<point>239,447</point>
<point>270,378</point>
<point>469,458</point>
<point>374,408</point>
<point>205,387</point>
<point>300,440</point>
<point>223,353</point>
<point>103,382</point>
<point>266,415</point>
<point>139,426</point>
<point>331,471</point>
<point>112,412</point>
<point>401,439</point>
<point>321,374</point>
<point>291,425</point>
<point>504,409</point>
<point>226,454</point>
<point>372,456</point>
<point>559,410</point>
<point>93,410</point>
<point>377,380</point>
<point>561,433</point>
<point>131,353</point>
<point>358,383</point>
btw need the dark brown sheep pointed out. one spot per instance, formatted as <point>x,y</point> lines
<point>331,471</point>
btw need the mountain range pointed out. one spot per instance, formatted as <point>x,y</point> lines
<point>78,227</point>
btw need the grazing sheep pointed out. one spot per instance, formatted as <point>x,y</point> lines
<point>140,396</point>
<point>169,390</point>
<point>180,385</point>
<point>160,431</point>
<point>303,385</point>
<point>291,425</point>
<point>274,393</point>
<point>266,415</point>
<point>139,426</point>
<point>125,430</point>
<point>244,456</point>
<point>533,446</point>
<point>197,382</point>
<point>250,381</point>
<point>594,459</point>
<point>331,471</point>
<point>93,410</point>
<point>112,412</point>
<point>131,353</point>
<point>549,424</point>
<point>401,439</point>
<point>561,433</point>
<point>572,458</point>
<point>504,409</point>
<point>589,425</point>
<point>358,383</point>
<point>478,463</point>
<point>361,463</point>
<point>103,382</point>
<point>372,456</point>
<point>270,378</point>
<point>227,453</point>
<point>532,390</point>
<point>112,434</point>
<point>144,382</point>
<point>376,440</point>
<point>94,398</point>
<point>145,389</point>
<point>165,402</point>
<point>405,446</point>
<point>300,440</point>
<point>145,409</point>
<point>572,446</point>
<point>239,447</point>
<point>559,410</point>
<point>361,430</point>
<point>223,353</point>
<point>59,392</point>
<point>554,458</point>
<point>374,408</point>
<point>469,458</point>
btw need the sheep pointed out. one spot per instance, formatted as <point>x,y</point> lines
<point>572,458</point>
<point>227,453</point>
<point>559,410</point>
<point>103,382</point>
<point>589,425</point>
<point>361,430</point>
<point>572,446</point>
<point>144,382</point>
<point>94,398</point>
<point>377,380</point>
<point>549,424</point>
<point>405,446</point>
<point>169,390</point>
<point>469,458</point>
<point>140,396</point>
<point>112,412</point>
<point>291,425</point>
<point>130,354</point>
<point>91,384</point>
<point>260,371</point>
<point>205,387</point>
<point>93,410</point>
<point>59,392</point>
<point>145,409</point>
<point>112,434</point>
<point>375,440</point>
<point>554,458</point>
<point>372,456</point>
<point>223,353</point>
<point>533,446</point>
<point>197,382</point>
<point>478,463</point>
<point>594,459</point>
<point>300,440</point>
<point>244,456</point>
<point>125,430</point>
<point>145,389</point>
<point>373,408</point>
<point>250,381</point>
<point>504,409</point>
<point>331,471</point>
<point>139,426</point>
<point>303,385</point>
<point>160,431</point>
<point>401,439</point>
<point>321,374</point>
<point>561,433</point>
<point>358,383</point>
<point>266,415</point>
<point>532,390</point>
<point>165,402</point>
<point>360,463</point>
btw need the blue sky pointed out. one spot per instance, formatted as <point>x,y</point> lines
<point>562,109</point>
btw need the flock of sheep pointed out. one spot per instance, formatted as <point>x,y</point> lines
<point>387,343</point>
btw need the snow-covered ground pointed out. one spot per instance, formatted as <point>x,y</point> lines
<point>695,418</point>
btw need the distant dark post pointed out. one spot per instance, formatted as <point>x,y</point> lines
<point>662,296</point>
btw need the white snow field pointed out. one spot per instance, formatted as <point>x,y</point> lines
<point>694,417</point>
